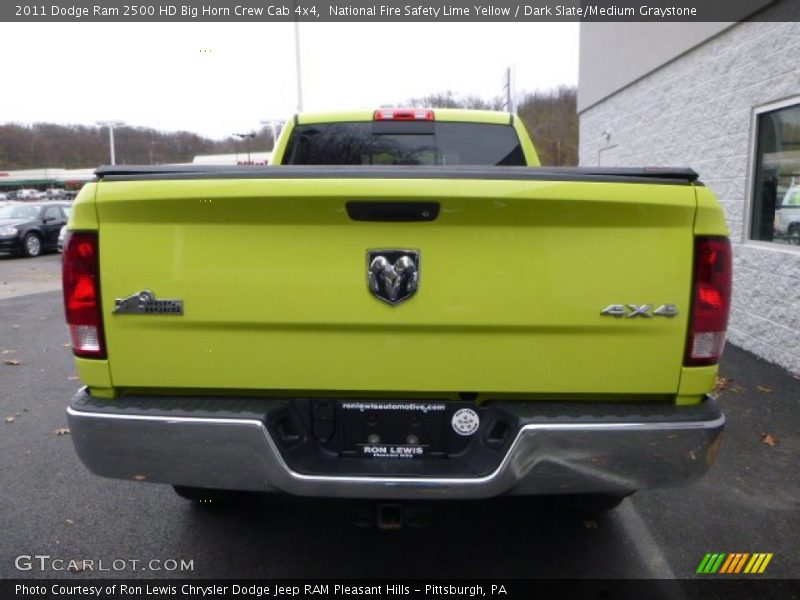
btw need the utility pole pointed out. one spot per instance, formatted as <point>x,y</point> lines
<point>246,137</point>
<point>297,62</point>
<point>275,126</point>
<point>508,87</point>
<point>111,125</point>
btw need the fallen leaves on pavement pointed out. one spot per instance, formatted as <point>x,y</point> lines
<point>62,431</point>
<point>763,389</point>
<point>12,362</point>
<point>77,566</point>
<point>722,383</point>
<point>9,419</point>
<point>769,439</point>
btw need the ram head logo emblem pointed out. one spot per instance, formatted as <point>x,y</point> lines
<point>393,275</point>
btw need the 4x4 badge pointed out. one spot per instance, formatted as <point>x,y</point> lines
<point>393,275</point>
<point>631,311</point>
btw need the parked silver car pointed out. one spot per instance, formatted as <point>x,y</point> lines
<point>63,232</point>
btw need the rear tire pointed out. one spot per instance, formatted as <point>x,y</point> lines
<point>31,245</point>
<point>794,235</point>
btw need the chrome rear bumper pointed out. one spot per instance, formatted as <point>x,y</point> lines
<point>554,454</point>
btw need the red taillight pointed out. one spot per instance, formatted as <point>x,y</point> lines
<point>81,282</point>
<point>404,114</point>
<point>711,301</point>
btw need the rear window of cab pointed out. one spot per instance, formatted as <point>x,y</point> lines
<point>404,143</point>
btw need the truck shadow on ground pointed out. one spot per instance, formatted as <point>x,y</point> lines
<point>280,536</point>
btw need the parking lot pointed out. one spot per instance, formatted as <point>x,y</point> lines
<point>50,504</point>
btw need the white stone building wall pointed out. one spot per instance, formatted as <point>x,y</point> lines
<point>697,111</point>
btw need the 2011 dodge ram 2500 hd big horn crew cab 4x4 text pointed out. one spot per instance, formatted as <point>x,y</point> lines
<point>402,308</point>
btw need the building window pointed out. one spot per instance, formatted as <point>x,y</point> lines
<point>776,191</point>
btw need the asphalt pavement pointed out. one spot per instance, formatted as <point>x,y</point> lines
<point>51,505</point>
<point>19,277</point>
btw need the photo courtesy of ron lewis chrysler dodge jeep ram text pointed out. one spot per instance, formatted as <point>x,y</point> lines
<point>406,306</point>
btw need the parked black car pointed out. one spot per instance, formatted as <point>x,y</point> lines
<point>31,228</point>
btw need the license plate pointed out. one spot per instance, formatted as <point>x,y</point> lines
<point>386,429</point>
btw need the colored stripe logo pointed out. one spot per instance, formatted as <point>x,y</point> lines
<point>734,563</point>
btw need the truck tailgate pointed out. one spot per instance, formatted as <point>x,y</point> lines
<point>514,275</point>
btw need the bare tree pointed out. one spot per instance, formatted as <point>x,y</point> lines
<point>448,99</point>
<point>551,119</point>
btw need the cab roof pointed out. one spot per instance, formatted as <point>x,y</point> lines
<point>461,115</point>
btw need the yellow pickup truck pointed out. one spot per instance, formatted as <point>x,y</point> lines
<point>405,306</point>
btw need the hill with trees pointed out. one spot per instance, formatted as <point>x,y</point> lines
<point>550,117</point>
<point>78,146</point>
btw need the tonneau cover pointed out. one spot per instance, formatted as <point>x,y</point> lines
<point>656,175</point>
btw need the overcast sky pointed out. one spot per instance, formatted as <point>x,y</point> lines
<point>215,79</point>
